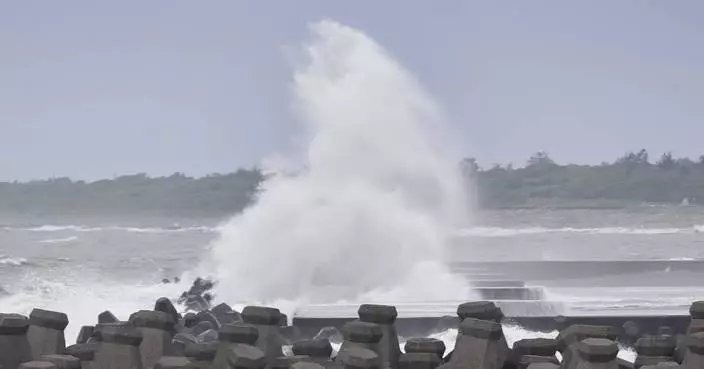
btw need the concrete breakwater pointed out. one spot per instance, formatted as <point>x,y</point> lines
<point>260,337</point>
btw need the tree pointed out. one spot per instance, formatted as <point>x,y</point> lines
<point>540,159</point>
<point>666,161</point>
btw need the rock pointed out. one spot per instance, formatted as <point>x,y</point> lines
<point>653,350</point>
<point>694,358</point>
<point>260,315</point>
<point>331,334</point>
<point>285,362</point>
<point>361,335</point>
<point>85,352</point>
<point>179,343</point>
<point>207,316</point>
<point>157,331</point>
<point>306,365</point>
<point>119,348</point>
<point>543,366</point>
<point>359,358</point>
<point>536,347</point>
<point>597,353</point>
<point>107,317</point>
<point>316,348</point>
<point>14,346</point>
<point>211,335</point>
<point>202,327</point>
<point>166,306</point>
<point>525,361</point>
<point>173,362</point>
<point>568,339</point>
<point>37,365</point>
<point>62,361</point>
<point>239,356</point>
<point>419,360</point>
<point>85,333</point>
<point>267,321</point>
<point>384,316</point>
<point>425,345</point>
<point>201,352</point>
<point>189,320</point>
<point>482,310</point>
<point>225,314</point>
<point>480,344</point>
<point>696,310</point>
<point>46,332</point>
<point>239,333</point>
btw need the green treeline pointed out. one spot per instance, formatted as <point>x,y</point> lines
<point>633,178</point>
<point>216,195</point>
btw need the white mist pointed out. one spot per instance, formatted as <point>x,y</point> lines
<point>369,216</point>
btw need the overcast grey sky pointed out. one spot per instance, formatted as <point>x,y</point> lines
<point>90,89</point>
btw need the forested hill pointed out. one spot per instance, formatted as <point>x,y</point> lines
<point>542,182</point>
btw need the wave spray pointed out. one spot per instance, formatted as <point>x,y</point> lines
<point>369,214</point>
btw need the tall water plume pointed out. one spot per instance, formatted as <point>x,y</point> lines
<point>369,215</point>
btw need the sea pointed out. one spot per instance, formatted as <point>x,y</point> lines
<point>640,260</point>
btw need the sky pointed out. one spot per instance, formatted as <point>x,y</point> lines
<point>92,89</point>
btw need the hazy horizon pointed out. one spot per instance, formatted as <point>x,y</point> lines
<point>93,90</point>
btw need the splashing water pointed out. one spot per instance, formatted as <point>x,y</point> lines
<point>369,216</point>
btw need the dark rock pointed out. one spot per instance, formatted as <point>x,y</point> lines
<point>261,315</point>
<point>173,362</point>
<point>157,331</point>
<point>359,358</point>
<point>202,327</point>
<point>62,361</point>
<point>190,320</point>
<point>37,365</point>
<point>384,316</point>
<point>239,356</point>
<point>362,332</point>
<point>107,317</point>
<point>319,348</point>
<point>656,346</point>
<point>166,306</point>
<point>267,321</point>
<point>331,334</point>
<point>14,346</point>
<point>482,310</point>
<point>419,360</point>
<point>425,345</point>
<point>207,316</point>
<point>119,348</point>
<point>306,365</point>
<point>82,351</point>
<point>536,347</point>
<point>379,314</point>
<point>480,344</point>
<point>696,310</point>
<point>85,333</point>
<point>285,362</point>
<point>201,351</point>
<point>597,350</point>
<point>211,335</point>
<point>239,333</point>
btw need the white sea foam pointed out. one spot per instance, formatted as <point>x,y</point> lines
<point>59,240</point>
<point>368,216</point>
<point>516,232</point>
<point>49,228</point>
<point>12,261</point>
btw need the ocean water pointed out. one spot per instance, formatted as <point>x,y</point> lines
<point>645,261</point>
